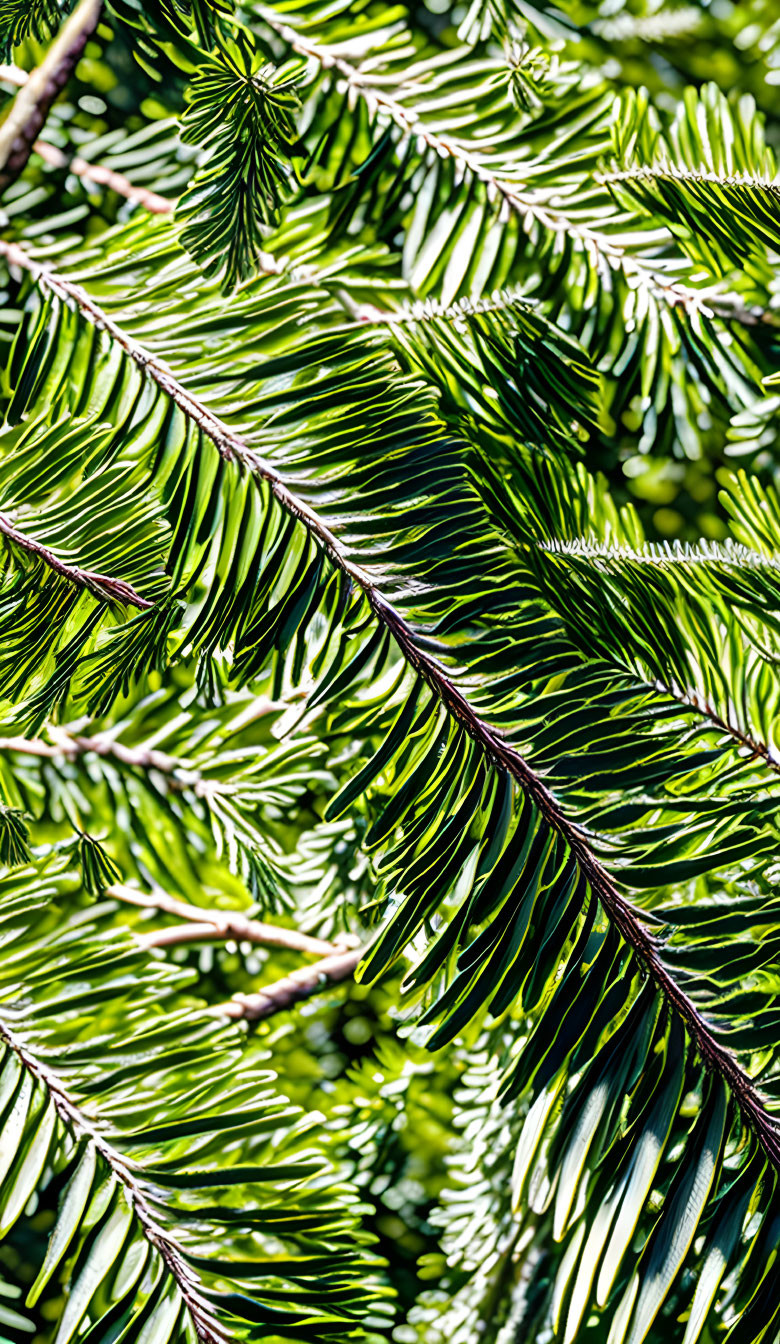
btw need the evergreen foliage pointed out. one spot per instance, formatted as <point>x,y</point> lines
<point>389,776</point>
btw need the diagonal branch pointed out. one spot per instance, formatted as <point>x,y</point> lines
<point>102,586</point>
<point>81,1127</point>
<point>498,753</point>
<point>31,105</point>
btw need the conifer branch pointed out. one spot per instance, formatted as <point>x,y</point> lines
<point>81,1126</point>
<point>605,251</point>
<point>622,914</point>
<point>665,555</point>
<point>71,744</point>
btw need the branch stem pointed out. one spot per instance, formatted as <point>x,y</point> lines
<point>102,586</point>
<point>203,925</point>
<point>299,985</point>
<point>30,108</point>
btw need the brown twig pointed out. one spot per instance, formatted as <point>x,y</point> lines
<point>36,95</point>
<point>497,752</point>
<point>105,177</point>
<point>91,172</point>
<point>298,985</point>
<point>101,586</point>
<point>202,925</point>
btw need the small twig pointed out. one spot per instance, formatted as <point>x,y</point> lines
<point>299,985</point>
<point>201,925</point>
<point>105,177</point>
<point>11,74</point>
<point>102,586</point>
<point>36,95</point>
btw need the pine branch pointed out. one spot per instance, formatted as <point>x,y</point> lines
<point>664,555</point>
<point>201,925</point>
<point>102,586</point>
<point>605,252</point>
<point>34,99</point>
<point>298,985</point>
<point>80,1126</point>
<point>498,753</point>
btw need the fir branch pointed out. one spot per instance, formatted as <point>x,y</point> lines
<point>80,1126</point>
<point>102,586</point>
<point>432,310</point>
<point>34,99</point>
<point>605,251</point>
<point>71,745</point>
<point>498,753</point>
<point>663,555</point>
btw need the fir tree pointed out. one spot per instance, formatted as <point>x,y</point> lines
<point>389,691</point>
